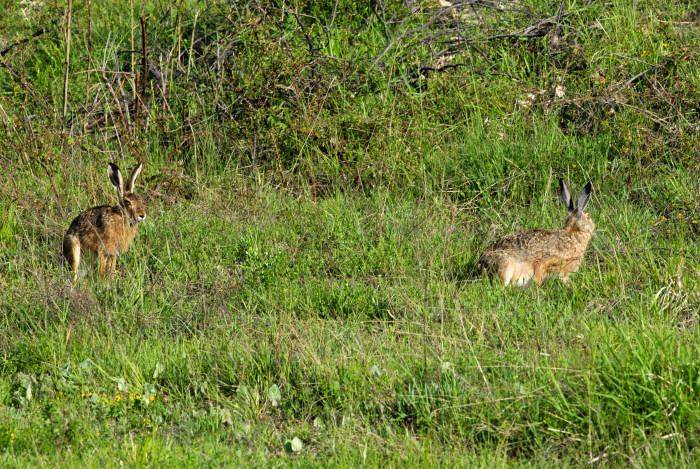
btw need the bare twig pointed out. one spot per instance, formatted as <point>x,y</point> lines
<point>427,24</point>
<point>141,95</point>
<point>67,63</point>
<point>449,66</point>
<point>663,64</point>
<point>194,28</point>
<point>89,51</point>
<point>373,5</point>
<point>335,11</point>
<point>144,62</point>
<point>471,44</point>
<point>117,103</point>
<point>664,95</point>
<point>537,29</point>
<point>19,42</point>
<point>631,58</point>
<point>255,151</point>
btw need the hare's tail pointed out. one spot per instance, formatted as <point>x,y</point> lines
<point>71,251</point>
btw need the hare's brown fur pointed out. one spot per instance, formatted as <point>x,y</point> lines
<point>102,233</point>
<point>537,253</point>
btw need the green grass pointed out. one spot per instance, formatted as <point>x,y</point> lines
<point>307,267</point>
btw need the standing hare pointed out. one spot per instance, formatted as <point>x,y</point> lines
<point>536,253</point>
<point>104,232</point>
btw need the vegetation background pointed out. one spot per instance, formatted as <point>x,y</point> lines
<point>320,178</point>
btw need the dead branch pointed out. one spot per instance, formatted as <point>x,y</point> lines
<point>538,29</point>
<point>449,66</point>
<point>19,42</point>
<point>67,62</point>
<point>663,64</point>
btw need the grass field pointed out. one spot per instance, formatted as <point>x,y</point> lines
<point>320,179</point>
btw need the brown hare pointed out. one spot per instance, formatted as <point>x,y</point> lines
<point>534,254</point>
<point>104,232</point>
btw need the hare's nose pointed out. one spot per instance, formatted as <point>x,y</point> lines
<point>142,216</point>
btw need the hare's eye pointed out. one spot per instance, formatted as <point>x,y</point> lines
<point>127,203</point>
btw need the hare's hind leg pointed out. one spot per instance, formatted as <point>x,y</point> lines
<point>103,261</point>
<point>108,265</point>
<point>111,266</point>
<point>540,273</point>
<point>516,272</point>
<point>71,251</point>
<point>506,272</point>
<point>549,266</point>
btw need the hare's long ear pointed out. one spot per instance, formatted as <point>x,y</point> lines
<point>115,177</point>
<point>132,178</point>
<point>583,198</point>
<point>566,196</point>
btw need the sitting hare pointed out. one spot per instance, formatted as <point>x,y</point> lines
<point>104,232</point>
<point>536,253</point>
